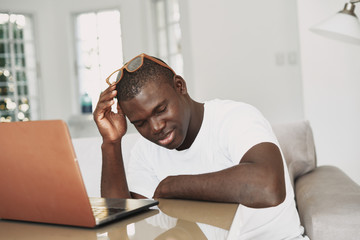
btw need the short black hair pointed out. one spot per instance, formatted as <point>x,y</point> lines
<point>132,83</point>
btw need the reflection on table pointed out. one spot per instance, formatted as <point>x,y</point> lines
<point>172,219</point>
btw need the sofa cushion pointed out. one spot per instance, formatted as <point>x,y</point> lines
<point>297,144</point>
<point>329,204</point>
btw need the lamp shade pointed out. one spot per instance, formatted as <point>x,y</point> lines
<point>342,26</point>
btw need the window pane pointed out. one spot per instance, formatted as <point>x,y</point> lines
<point>98,50</point>
<point>90,83</point>
<point>17,60</point>
<point>2,62</point>
<point>22,90</point>
<point>110,47</point>
<point>4,24</point>
<point>20,76</point>
<point>5,55</point>
<point>84,32</point>
<point>173,10</point>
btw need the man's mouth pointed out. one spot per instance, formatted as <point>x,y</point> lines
<point>168,138</point>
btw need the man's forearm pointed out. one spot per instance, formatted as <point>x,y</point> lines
<point>113,178</point>
<point>245,183</point>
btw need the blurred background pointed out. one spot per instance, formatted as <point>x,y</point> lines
<point>55,56</point>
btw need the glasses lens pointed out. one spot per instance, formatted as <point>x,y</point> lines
<point>115,77</point>
<point>134,64</point>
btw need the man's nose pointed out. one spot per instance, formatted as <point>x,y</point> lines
<point>157,125</point>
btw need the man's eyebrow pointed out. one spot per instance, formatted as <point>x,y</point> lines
<point>153,112</point>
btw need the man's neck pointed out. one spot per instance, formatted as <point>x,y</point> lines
<point>197,116</point>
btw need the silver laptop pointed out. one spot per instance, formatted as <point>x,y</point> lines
<point>40,179</point>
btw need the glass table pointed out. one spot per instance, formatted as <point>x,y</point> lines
<point>171,219</point>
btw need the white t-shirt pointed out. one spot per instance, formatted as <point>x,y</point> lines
<point>228,131</point>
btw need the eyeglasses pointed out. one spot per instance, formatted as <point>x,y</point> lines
<point>132,66</point>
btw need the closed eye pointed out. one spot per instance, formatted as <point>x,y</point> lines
<point>162,109</point>
<point>139,124</point>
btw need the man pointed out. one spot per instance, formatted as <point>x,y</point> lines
<point>220,150</point>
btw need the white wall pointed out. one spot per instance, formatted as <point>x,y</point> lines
<point>246,51</point>
<point>331,79</point>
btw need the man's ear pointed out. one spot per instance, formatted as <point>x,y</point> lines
<point>180,84</point>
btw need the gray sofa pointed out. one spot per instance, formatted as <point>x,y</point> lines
<point>328,201</point>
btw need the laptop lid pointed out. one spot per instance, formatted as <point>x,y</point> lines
<point>40,179</point>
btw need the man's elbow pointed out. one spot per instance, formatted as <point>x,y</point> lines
<point>275,195</point>
<point>267,196</point>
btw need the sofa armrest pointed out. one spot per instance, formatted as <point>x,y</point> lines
<point>329,204</point>
<point>297,144</point>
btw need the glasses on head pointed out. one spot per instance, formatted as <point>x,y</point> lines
<point>132,66</point>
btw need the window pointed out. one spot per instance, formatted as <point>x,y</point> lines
<point>168,33</point>
<point>18,78</point>
<point>98,51</point>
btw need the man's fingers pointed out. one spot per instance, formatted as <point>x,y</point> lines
<point>106,99</point>
<point>110,90</point>
<point>104,104</point>
<point>108,95</point>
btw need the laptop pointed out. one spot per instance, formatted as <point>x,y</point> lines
<point>40,179</point>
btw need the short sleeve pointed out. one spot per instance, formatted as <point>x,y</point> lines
<point>243,127</point>
<point>140,173</point>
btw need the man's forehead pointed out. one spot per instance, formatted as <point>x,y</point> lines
<point>148,99</point>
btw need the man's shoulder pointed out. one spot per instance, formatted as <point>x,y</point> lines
<point>222,107</point>
<point>227,103</point>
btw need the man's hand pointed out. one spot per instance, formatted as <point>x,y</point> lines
<point>112,126</point>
